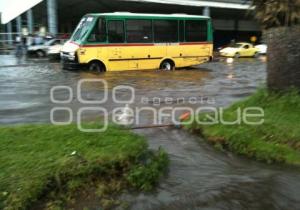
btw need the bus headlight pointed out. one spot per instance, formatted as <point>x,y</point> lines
<point>72,54</point>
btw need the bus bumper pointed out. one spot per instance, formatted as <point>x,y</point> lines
<point>70,62</point>
<point>70,65</point>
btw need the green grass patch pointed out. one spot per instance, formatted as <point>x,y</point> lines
<point>41,160</point>
<point>276,140</point>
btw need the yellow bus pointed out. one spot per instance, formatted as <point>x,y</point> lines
<point>129,41</point>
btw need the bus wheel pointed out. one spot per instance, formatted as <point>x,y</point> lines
<point>167,65</point>
<point>96,66</point>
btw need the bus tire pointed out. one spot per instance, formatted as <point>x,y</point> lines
<point>167,65</point>
<point>96,66</point>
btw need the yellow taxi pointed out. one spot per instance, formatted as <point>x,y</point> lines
<point>240,49</point>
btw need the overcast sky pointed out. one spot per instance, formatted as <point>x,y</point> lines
<point>12,8</point>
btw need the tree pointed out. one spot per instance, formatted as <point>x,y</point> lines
<point>280,20</point>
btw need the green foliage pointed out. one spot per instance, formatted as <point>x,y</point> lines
<point>37,160</point>
<point>145,175</point>
<point>274,13</point>
<point>276,140</point>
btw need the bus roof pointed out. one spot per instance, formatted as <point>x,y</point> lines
<point>129,14</point>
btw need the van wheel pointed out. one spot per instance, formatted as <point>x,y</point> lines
<point>237,55</point>
<point>167,65</point>
<point>40,53</point>
<point>96,66</point>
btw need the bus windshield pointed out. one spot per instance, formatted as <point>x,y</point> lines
<point>82,28</point>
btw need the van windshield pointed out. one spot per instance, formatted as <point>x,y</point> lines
<point>82,28</point>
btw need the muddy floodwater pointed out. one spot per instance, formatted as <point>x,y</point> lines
<point>199,177</point>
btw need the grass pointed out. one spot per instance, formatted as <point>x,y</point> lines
<point>276,140</point>
<point>41,160</point>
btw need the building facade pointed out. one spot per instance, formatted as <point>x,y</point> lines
<point>232,19</point>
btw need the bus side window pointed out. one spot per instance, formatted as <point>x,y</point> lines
<point>98,33</point>
<point>116,31</point>
<point>165,31</point>
<point>195,30</point>
<point>139,31</point>
<point>181,30</point>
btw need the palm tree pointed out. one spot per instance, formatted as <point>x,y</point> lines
<point>280,20</point>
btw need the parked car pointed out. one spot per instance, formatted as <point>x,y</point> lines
<point>54,50</point>
<point>42,49</point>
<point>262,48</point>
<point>240,49</point>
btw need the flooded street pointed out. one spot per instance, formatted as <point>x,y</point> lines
<point>199,177</point>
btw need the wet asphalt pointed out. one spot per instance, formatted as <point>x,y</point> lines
<point>199,177</point>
